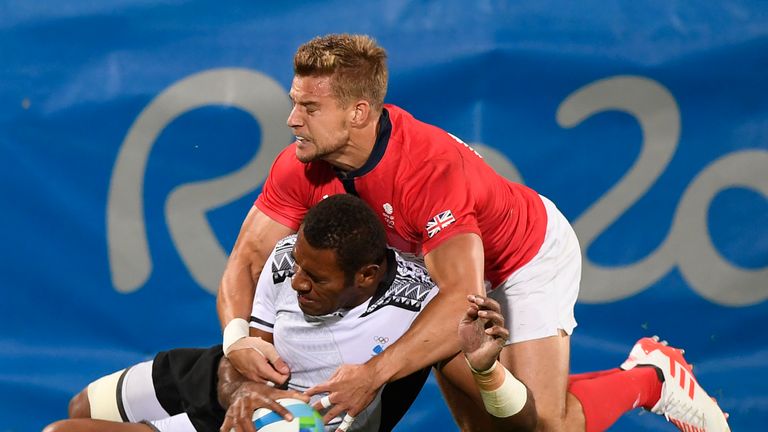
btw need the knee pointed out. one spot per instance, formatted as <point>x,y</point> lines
<point>79,407</point>
<point>550,419</point>
<point>549,423</point>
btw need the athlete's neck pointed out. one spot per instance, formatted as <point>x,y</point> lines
<point>355,153</point>
<point>368,291</point>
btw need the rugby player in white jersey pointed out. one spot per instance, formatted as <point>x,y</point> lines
<point>351,297</point>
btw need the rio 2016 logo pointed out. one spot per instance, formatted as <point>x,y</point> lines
<point>186,205</point>
<point>688,245</point>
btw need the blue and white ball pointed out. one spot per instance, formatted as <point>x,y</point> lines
<point>305,418</point>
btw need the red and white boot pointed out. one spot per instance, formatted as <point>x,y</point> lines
<point>683,402</point>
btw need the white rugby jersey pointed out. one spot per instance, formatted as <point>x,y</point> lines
<point>315,346</point>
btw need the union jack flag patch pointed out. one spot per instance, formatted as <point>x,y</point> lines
<point>439,222</point>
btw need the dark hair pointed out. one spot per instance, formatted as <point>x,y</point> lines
<point>345,224</point>
<point>356,64</point>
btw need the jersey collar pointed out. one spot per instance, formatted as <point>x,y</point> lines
<point>389,278</point>
<point>377,153</point>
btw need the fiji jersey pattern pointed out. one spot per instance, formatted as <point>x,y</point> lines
<point>320,344</point>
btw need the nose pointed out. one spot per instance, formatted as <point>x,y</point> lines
<point>294,119</point>
<point>300,282</point>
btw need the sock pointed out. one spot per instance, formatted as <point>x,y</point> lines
<point>590,375</point>
<point>606,398</point>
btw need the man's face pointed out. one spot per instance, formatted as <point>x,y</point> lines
<point>320,124</point>
<point>318,280</point>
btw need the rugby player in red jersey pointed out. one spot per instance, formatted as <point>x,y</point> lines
<point>478,233</point>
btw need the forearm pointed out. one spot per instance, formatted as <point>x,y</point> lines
<point>229,381</point>
<point>456,266</point>
<point>235,296</point>
<point>257,237</point>
<point>431,338</point>
<point>240,397</point>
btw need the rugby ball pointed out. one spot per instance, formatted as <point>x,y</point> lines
<point>305,418</point>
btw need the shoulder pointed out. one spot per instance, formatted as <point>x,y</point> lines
<point>282,259</point>
<point>405,126</point>
<point>410,290</point>
<point>285,244</point>
<point>426,146</point>
<point>412,270</point>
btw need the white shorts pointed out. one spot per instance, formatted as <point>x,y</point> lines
<point>129,396</point>
<point>537,300</point>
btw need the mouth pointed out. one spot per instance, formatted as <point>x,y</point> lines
<point>304,300</point>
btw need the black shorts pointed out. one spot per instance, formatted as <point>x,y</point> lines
<point>185,380</point>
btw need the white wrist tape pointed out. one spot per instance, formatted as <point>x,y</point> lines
<point>234,331</point>
<point>255,343</point>
<point>507,399</point>
<point>477,372</point>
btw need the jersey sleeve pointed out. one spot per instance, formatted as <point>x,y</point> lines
<point>264,310</point>
<point>284,194</point>
<point>442,206</point>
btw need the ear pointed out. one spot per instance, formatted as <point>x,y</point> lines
<point>361,113</point>
<point>366,276</point>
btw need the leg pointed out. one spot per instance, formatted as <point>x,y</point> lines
<point>89,425</point>
<point>102,398</point>
<point>680,398</point>
<point>461,395</point>
<point>542,364</point>
<point>79,407</point>
<point>127,395</point>
<point>537,302</point>
<point>177,423</point>
<point>507,404</point>
<point>162,390</point>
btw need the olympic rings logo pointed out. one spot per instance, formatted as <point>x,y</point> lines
<point>381,339</point>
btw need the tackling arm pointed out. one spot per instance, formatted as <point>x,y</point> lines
<point>456,266</point>
<point>257,238</point>
<point>229,379</point>
<point>241,397</point>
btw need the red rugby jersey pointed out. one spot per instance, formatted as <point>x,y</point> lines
<point>426,186</point>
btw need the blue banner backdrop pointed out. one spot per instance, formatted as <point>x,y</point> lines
<point>135,134</point>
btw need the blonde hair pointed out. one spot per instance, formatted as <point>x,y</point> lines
<point>356,64</point>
